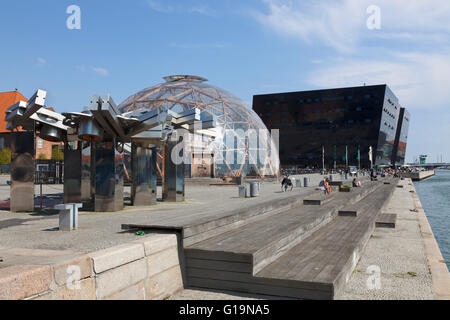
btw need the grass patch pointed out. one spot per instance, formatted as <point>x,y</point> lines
<point>404,275</point>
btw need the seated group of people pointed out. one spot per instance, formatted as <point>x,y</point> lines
<point>324,185</point>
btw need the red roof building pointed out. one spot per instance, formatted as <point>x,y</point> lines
<point>7,99</point>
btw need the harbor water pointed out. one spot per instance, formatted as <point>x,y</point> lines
<point>434,193</point>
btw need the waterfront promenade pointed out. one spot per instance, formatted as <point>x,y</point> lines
<point>32,246</point>
<point>419,176</point>
<point>408,258</point>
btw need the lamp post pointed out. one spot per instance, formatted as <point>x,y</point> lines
<point>346,157</point>
<point>335,157</point>
<point>359,157</point>
<point>323,159</point>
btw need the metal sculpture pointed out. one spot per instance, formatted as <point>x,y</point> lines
<point>94,169</point>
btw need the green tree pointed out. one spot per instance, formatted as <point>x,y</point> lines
<point>57,154</point>
<point>5,156</point>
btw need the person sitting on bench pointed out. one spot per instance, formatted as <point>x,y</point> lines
<point>325,186</point>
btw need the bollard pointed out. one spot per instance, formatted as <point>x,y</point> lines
<point>331,178</point>
<point>254,189</point>
<point>346,176</point>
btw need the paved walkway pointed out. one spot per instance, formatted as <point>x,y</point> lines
<point>102,230</point>
<point>399,255</point>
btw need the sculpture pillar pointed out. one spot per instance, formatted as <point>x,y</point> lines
<point>173,186</point>
<point>77,174</point>
<point>143,163</point>
<point>108,177</point>
<point>22,171</point>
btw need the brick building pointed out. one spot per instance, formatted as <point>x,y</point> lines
<point>7,99</point>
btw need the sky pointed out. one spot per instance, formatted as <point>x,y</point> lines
<point>246,47</point>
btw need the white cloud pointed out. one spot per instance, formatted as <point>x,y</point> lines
<point>341,24</point>
<point>41,62</point>
<point>201,9</point>
<point>166,7</point>
<point>159,7</point>
<point>101,71</point>
<point>420,80</point>
<point>197,45</point>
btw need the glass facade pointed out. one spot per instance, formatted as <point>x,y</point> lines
<point>402,137</point>
<point>341,123</point>
<point>234,119</point>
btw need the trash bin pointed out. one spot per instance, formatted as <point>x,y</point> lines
<point>331,178</point>
<point>306,182</point>
<point>241,191</point>
<point>254,189</point>
<point>298,183</point>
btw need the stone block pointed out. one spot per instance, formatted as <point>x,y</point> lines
<point>162,261</point>
<point>158,242</point>
<point>120,278</point>
<point>63,271</point>
<point>135,292</point>
<point>114,257</point>
<point>23,281</point>
<point>164,284</point>
<point>86,291</point>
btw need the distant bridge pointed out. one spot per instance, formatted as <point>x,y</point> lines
<point>430,165</point>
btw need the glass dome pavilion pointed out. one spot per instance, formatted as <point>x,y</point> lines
<point>234,118</point>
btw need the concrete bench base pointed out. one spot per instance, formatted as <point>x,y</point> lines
<point>386,220</point>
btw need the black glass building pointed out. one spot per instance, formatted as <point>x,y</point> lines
<point>341,123</point>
